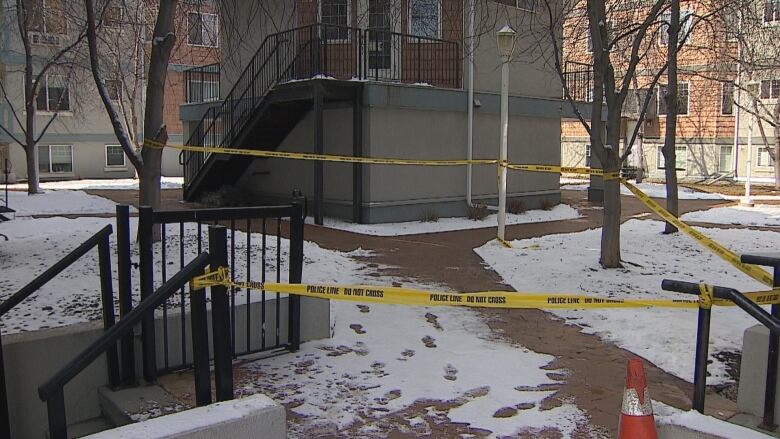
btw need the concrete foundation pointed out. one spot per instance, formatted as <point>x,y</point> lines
<point>248,418</point>
<point>752,374</point>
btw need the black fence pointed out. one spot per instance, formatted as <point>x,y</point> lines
<point>578,79</point>
<point>319,51</point>
<point>255,316</point>
<point>101,241</point>
<point>770,320</point>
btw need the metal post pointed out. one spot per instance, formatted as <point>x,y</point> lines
<point>146,259</point>
<point>55,407</point>
<point>295,275</point>
<point>770,391</point>
<point>124,277</point>
<point>419,60</point>
<point>220,317</point>
<point>5,418</point>
<point>357,151</point>
<point>200,347</point>
<point>107,297</point>
<point>319,148</point>
<point>700,371</point>
<point>747,201</point>
<point>503,150</point>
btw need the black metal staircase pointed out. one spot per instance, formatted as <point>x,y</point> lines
<point>259,112</point>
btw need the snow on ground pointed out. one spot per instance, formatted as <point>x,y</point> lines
<point>35,244</point>
<point>395,357</point>
<point>694,420</point>
<point>384,358</point>
<point>759,215</point>
<point>111,183</point>
<point>573,180</point>
<point>657,190</point>
<point>664,336</point>
<point>559,212</point>
<point>63,202</point>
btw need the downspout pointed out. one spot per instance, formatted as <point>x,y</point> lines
<point>470,110</point>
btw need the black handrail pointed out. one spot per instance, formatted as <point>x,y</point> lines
<point>703,330</point>
<point>60,266</point>
<point>100,240</point>
<point>52,390</point>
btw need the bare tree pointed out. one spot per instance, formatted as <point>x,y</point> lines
<point>670,157</point>
<point>62,32</point>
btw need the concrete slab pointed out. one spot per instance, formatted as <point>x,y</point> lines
<point>135,404</point>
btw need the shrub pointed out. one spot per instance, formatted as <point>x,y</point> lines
<point>516,207</point>
<point>547,204</point>
<point>429,216</point>
<point>477,212</point>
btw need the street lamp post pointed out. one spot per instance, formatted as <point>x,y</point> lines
<point>506,40</point>
<point>747,200</point>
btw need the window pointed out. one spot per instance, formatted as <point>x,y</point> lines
<point>46,16</point>
<point>770,89</point>
<point>114,89</point>
<point>771,11</point>
<point>527,5</point>
<point>55,159</point>
<point>588,153</point>
<point>425,18</point>
<point>764,158</point>
<point>682,99</point>
<point>589,43</point>
<point>202,91</point>
<point>115,157</point>
<point>680,156</point>
<point>334,15</point>
<point>686,18</point>
<point>112,17</point>
<point>203,29</point>
<point>727,98</point>
<point>53,94</point>
<point>731,24</point>
<point>724,165</point>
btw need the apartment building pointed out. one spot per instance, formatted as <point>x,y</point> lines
<point>707,114</point>
<point>79,141</point>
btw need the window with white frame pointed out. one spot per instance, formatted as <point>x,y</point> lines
<point>727,98</point>
<point>731,24</point>
<point>764,158</point>
<point>112,17</point>
<point>686,20</point>
<point>526,5</point>
<point>115,157</point>
<point>680,157</point>
<point>334,15</point>
<point>202,29</point>
<point>724,165</point>
<point>114,89</point>
<point>53,94</point>
<point>46,16</point>
<point>202,91</point>
<point>588,152</point>
<point>55,159</point>
<point>770,89</point>
<point>425,18</point>
<point>771,11</point>
<point>682,99</point>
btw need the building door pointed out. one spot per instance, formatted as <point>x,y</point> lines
<point>381,19</point>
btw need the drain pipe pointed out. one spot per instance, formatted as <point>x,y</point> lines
<point>470,122</point>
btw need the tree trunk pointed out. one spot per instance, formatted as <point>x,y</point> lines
<point>610,231</point>
<point>30,146</point>
<point>777,145</point>
<point>670,156</point>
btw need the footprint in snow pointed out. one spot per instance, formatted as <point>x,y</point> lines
<point>363,308</point>
<point>357,328</point>
<point>429,341</point>
<point>450,373</point>
<point>406,354</point>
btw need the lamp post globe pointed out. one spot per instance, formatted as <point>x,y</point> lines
<point>506,39</point>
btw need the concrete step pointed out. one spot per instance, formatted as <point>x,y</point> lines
<point>135,404</point>
<point>90,426</point>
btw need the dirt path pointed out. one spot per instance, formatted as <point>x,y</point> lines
<point>594,369</point>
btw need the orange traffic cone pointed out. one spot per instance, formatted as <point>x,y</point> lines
<point>636,416</point>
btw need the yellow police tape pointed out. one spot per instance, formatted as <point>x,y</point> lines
<point>380,160</point>
<point>723,252</point>
<point>483,299</point>
<point>726,254</point>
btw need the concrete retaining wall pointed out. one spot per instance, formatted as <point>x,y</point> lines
<point>248,418</point>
